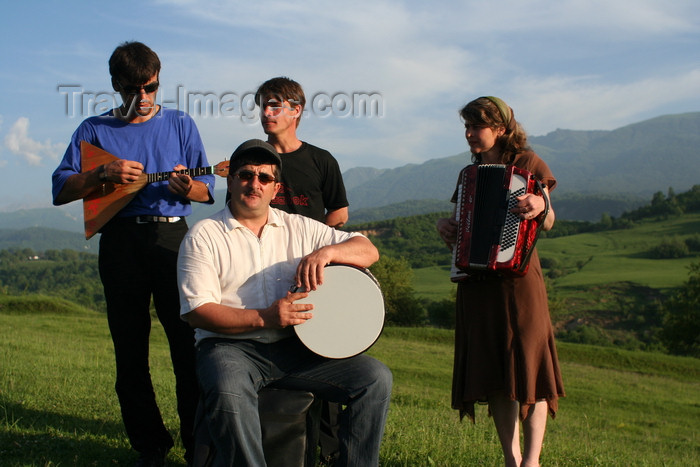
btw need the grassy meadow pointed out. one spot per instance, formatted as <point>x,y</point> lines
<point>592,260</point>
<point>58,407</point>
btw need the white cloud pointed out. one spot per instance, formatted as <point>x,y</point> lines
<point>573,64</point>
<point>33,152</point>
<point>378,19</point>
<point>428,59</point>
<point>587,103</point>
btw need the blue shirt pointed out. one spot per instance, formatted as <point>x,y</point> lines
<point>168,138</point>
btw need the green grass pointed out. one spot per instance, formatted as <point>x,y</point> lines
<point>621,255</point>
<point>597,259</point>
<point>433,282</point>
<point>57,399</point>
<point>57,402</point>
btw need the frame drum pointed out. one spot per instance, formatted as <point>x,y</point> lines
<point>348,313</point>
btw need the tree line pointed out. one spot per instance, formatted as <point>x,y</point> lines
<point>68,274</point>
<point>415,238</point>
<point>659,208</point>
<point>405,244</point>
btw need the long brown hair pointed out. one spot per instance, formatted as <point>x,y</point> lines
<point>494,113</point>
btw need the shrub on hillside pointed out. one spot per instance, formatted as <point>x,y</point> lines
<point>442,313</point>
<point>681,326</point>
<point>669,249</point>
<point>69,274</point>
<point>586,334</point>
<point>396,279</point>
<point>555,273</point>
<point>549,263</point>
<point>693,243</point>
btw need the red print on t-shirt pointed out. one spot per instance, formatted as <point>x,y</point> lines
<point>300,200</point>
<point>284,193</point>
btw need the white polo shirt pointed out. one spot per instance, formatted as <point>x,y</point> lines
<point>221,261</point>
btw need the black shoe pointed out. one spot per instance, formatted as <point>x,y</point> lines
<point>153,458</point>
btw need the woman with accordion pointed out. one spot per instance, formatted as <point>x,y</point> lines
<point>505,354</point>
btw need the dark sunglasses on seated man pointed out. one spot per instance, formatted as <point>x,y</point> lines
<point>247,175</point>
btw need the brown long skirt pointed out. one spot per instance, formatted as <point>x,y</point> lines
<point>504,343</point>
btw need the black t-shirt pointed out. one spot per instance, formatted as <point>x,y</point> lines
<point>311,183</point>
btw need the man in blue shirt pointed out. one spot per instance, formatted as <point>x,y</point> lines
<point>139,246</point>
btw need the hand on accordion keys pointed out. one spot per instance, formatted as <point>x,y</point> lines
<point>447,228</point>
<point>529,206</point>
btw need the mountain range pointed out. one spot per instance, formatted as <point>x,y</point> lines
<point>597,172</point>
<point>633,161</point>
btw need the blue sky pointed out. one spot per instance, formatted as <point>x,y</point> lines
<point>572,64</point>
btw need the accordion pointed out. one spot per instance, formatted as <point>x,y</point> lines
<point>489,237</point>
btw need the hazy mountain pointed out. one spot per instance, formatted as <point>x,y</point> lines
<point>359,175</point>
<point>434,179</point>
<point>634,161</point>
<point>642,158</point>
<point>598,171</point>
<point>45,238</point>
<point>69,217</point>
<point>403,209</point>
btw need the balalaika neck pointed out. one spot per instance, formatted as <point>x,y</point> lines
<point>160,176</point>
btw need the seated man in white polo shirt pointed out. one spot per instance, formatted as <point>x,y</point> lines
<point>235,271</point>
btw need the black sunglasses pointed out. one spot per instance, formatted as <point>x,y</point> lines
<point>248,175</point>
<point>148,88</point>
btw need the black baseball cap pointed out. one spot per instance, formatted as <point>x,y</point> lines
<point>254,151</point>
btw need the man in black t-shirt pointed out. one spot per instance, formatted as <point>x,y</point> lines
<point>312,184</point>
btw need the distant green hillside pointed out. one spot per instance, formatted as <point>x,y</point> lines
<point>569,206</point>
<point>403,209</point>
<point>606,279</point>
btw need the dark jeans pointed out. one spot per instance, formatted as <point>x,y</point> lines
<point>138,261</point>
<point>231,372</point>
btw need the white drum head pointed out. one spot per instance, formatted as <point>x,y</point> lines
<point>348,313</point>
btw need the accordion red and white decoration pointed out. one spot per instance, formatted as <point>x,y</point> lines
<point>489,236</point>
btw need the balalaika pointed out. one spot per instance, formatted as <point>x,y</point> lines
<point>489,236</point>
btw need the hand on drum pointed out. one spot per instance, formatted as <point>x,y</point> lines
<point>310,269</point>
<point>284,312</point>
<point>529,206</point>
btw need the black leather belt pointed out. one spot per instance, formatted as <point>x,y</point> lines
<point>152,219</point>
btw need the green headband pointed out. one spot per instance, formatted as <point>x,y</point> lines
<point>506,112</point>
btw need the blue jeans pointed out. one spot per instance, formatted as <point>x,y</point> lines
<point>232,371</point>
